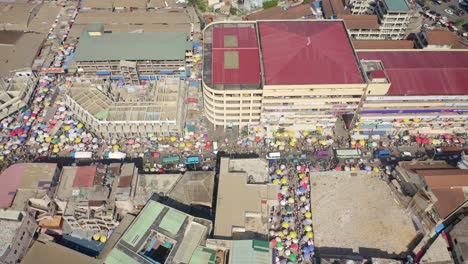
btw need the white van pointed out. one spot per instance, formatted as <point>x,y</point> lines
<point>215,147</point>
<point>273,156</point>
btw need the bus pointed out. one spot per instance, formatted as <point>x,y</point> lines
<point>348,153</point>
<point>448,153</point>
<point>192,160</point>
<point>170,160</point>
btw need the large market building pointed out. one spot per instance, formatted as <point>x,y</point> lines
<point>131,57</point>
<point>305,74</point>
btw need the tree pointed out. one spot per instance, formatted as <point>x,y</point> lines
<point>270,4</point>
<point>459,22</point>
<point>233,10</point>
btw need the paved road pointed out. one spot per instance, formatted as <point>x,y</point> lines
<point>440,9</point>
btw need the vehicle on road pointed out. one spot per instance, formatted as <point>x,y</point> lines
<point>448,11</point>
<point>382,153</point>
<point>406,156</point>
<point>273,156</point>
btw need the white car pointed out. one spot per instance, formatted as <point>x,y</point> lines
<point>426,26</point>
<point>448,11</point>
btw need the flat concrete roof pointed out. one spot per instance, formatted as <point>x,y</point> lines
<point>24,176</point>
<point>53,253</point>
<point>236,197</point>
<point>15,16</point>
<point>356,213</point>
<point>21,53</point>
<point>44,18</point>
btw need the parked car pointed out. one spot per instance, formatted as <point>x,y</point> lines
<point>448,11</point>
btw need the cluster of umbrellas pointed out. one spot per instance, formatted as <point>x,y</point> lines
<point>290,138</point>
<point>362,143</point>
<point>291,232</point>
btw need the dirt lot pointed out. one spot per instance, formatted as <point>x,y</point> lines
<point>358,213</point>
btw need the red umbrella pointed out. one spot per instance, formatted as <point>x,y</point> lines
<point>358,145</point>
<point>338,168</point>
<point>257,139</point>
<point>294,247</point>
<point>461,140</point>
<point>154,155</point>
<point>280,196</point>
<point>12,133</point>
<point>418,139</point>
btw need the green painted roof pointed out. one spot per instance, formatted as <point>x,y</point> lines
<point>118,257</point>
<point>250,251</point>
<point>203,255</point>
<point>131,46</point>
<point>172,221</point>
<point>143,222</point>
<point>396,5</point>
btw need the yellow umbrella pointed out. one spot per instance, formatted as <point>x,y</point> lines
<point>280,234</point>
<point>277,134</point>
<point>55,150</point>
<point>376,169</point>
<point>96,236</point>
<point>362,142</point>
<point>48,139</point>
<point>189,144</point>
<point>45,90</point>
<point>150,134</point>
<point>291,133</point>
<point>323,142</point>
<point>103,239</point>
<point>416,120</point>
<point>293,234</point>
<point>305,133</point>
<point>308,214</point>
<point>2,157</point>
<point>285,224</point>
<point>291,200</point>
<point>285,134</point>
<point>301,175</point>
<point>160,138</point>
<point>62,137</point>
<point>276,181</point>
<point>173,139</point>
<point>292,144</point>
<point>284,180</point>
<point>116,147</point>
<point>182,145</point>
<point>293,140</point>
<point>314,139</point>
<point>406,120</point>
<point>77,140</point>
<point>319,128</point>
<point>80,125</point>
<point>303,198</point>
<point>278,171</point>
<point>67,128</point>
<point>353,142</point>
<point>308,228</point>
<point>309,234</point>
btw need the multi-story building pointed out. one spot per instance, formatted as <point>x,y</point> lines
<point>396,19</point>
<point>362,7</point>
<point>131,57</point>
<point>88,196</point>
<point>110,110</point>
<point>15,94</point>
<point>254,75</point>
<point>427,95</point>
<point>439,40</point>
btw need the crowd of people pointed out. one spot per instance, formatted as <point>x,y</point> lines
<point>291,230</point>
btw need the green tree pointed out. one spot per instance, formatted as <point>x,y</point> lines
<point>270,4</point>
<point>459,22</point>
<point>233,10</point>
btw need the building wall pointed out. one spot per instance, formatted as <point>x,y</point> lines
<point>20,97</point>
<point>22,240</point>
<point>232,107</point>
<point>362,7</point>
<point>430,115</point>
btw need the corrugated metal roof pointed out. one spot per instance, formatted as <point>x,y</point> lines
<point>243,251</point>
<point>144,220</point>
<point>360,21</point>
<point>308,52</point>
<point>277,12</point>
<point>396,5</point>
<point>448,200</point>
<point>84,176</point>
<point>248,71</point>
<point>423,72</point>
<point>172,221</point>
<point>383,44</point>
<point>132,46</point>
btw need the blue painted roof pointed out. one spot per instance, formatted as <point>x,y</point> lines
<point>396,5</point>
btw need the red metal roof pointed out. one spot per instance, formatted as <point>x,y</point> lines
<point>307,52</point>
<point>424,73</point>
<point>84,176</point>
<point>248,71</point>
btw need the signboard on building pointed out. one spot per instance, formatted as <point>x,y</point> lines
<point>52,70</point>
